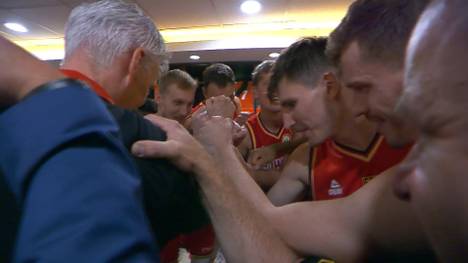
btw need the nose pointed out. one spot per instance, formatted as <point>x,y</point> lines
<point>360,105</point>
<point>288,120</point>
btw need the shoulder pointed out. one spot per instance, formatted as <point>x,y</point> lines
<point>133,126</point>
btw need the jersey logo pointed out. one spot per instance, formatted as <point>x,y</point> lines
<point>335,188</point>
<point>286,138</point>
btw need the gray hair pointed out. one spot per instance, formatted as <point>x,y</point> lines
<point>109,28</point>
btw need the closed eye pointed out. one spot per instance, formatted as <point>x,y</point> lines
<point>288,104</point>
<point>359,86</point>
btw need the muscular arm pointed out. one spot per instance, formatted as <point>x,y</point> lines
<point>292,184</point>
<point>263,155</point>
<point>241,239</point>
<point>265,179</point>
<point>370,223</point>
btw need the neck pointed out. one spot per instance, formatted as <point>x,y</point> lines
<point>108,80</point>
<point>271,120</point>
<point>356,133</point>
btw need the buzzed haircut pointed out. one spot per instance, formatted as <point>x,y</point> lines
<point>303,62</point>
<point>382,29</point>
<point>219,74</point>
<point>263,68</point>
<point>176,76</point>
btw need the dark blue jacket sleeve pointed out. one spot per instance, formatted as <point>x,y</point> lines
<point>78,190</point>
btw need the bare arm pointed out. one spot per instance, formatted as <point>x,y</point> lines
<point>263,155</point>
<point>265,179</point>
<point>14,62</point>
<point>249,227</point>
<point>371,223</point>
<point>242,232</point>
<point>292,184</point>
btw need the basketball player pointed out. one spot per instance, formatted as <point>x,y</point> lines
<point>344,151</point>
<point>372,223</point>
<point>265,128</point>
<point>175,95</point>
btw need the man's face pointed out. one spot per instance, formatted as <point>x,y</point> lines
<point>304,110</point>
<point>144,78</point>
<point>214,90</point>
<point>175,103</point>
<point>375,88</point>
<point>434,177</point>
<point>261,94</point>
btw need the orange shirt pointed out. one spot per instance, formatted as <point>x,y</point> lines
<point>337,171</point>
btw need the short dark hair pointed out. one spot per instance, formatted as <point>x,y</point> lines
<point>303,62</point>
<point>262,68</point>
<point>219,74</point>
<point>381,27</point>
<point>176,76</point>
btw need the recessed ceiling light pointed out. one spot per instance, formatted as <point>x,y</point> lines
<point>194,57</point>
<point>274,55</point>
<point>251,7</point>
<point>16,27</point>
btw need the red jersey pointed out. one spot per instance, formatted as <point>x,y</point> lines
<point>260,137</point>
<point>336,171</point>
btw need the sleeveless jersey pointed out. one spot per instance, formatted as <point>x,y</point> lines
<point>261,137</point>
<point>337,171</point>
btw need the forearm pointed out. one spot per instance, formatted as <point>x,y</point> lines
<point>371,223</point>
<point>266,179</point>
<point>239,212</point>
<point>281,195</point>
<point>14,62</point>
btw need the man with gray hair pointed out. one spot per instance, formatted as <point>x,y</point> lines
<point>115,45</point>
<point>115,49</point>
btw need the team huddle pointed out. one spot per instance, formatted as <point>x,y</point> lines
<point>356,152</point>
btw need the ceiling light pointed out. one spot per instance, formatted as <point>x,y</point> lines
<point>251,7</point>
<point>274,55</point>
<point>16,27</point>
<point>194,57</point>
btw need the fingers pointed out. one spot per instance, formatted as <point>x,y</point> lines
<point>220,106</point>
<point>199,120</point>
<point>155,149</point>
<point>239,133</point>
<point>200,110</point>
